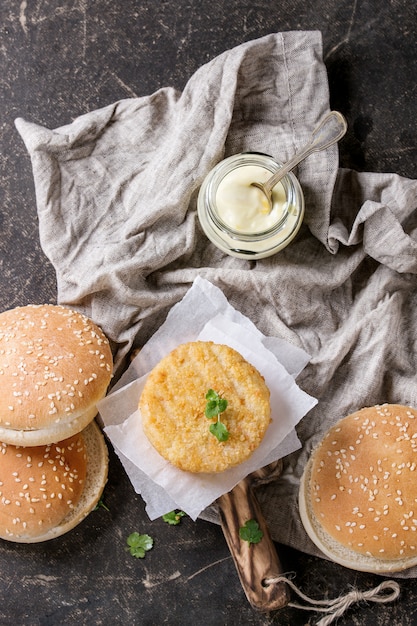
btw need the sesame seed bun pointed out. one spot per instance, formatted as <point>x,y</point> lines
<point>358,496</point>
<point>55,364</point>
<point>173,404</point>
<point>45,491</point>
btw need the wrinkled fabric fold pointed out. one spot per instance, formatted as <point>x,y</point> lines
<point>116,197</point>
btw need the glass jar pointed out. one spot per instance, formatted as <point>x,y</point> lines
<point>234,231</point>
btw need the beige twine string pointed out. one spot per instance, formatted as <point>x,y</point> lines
<point>336,607</point>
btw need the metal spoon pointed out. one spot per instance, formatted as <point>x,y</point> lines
<point>330,130</point>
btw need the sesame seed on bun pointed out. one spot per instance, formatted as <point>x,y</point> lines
<point>55,365</point>
<point>47,490</point>
<point>358,495</point>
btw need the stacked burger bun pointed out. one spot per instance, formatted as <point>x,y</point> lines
<point>55,365</point>
<point>358,495</point>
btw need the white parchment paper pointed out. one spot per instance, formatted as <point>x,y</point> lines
<point>204,314</point>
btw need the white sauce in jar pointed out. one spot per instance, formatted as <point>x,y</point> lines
<point>243,207</point>
<point>235,215</point>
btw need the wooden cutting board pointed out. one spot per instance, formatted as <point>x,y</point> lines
<point>255,562</point>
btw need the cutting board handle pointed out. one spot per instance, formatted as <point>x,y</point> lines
<point>255,562</point>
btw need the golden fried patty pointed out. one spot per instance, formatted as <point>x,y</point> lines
<point>173,405</point>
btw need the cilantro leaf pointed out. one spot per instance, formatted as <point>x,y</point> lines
<point>216,405</point>
<point>211,395</point>
<point>173,517</point>
<point>100,504</point>
<point>251,532</point>
<point>212,409</point>
<point>139,544</point>
<point>219,430</point>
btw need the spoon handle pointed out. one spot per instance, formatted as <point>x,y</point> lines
<point>330,130</point>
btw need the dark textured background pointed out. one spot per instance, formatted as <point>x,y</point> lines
<point>62,58</point>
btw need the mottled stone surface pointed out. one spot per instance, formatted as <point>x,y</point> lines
<point>62,59</point>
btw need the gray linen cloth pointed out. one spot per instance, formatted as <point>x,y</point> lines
<point>116,196</point>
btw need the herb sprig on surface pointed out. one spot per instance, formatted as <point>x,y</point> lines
<point>100,505</point>
<point>216,405</point>
<point>138,544</point>
<point>251,532</point>
<point>173,518</point>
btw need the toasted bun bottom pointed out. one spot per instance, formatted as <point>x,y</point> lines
<point>358,494</point>
<point>96,478</point>
<point>53,434</point>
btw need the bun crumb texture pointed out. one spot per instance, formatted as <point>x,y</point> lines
<point>173,403</point>
<point>359,493</point>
